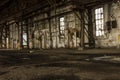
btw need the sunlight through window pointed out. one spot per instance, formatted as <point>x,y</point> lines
<point>99,18</point>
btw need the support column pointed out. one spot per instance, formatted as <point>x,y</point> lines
<point>90,29</point>
<point>82,30</point>
<point>51,41</point>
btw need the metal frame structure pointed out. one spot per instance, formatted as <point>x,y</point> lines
<point>36,22</point>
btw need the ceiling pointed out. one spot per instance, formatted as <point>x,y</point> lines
<point>5,5</point>
<point>3,2</point>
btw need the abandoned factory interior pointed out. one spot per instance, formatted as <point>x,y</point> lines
<point>52,24</point>
<point>59,39</point>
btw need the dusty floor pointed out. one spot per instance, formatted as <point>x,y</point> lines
<point>55,66</point>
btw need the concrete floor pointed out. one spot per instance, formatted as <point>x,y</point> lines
<point>68,51</point>
<point>60,64</point>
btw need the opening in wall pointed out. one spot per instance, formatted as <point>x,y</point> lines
<point>62,32</point>
<point>62,26</point>
<point>24,39</point>
<point>99,21</point>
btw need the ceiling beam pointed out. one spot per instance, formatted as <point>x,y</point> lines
<point>4,2</point>
<point>98,2</point>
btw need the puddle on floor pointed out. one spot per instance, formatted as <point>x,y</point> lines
<point>113,59</point>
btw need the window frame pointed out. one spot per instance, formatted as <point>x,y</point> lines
<point>99,22</point>
<point>61,25</point>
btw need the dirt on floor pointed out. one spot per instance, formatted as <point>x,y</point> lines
<point>52,66</point>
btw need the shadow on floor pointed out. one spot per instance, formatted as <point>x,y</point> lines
<point>2,73</point>
<point>57,77</point>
